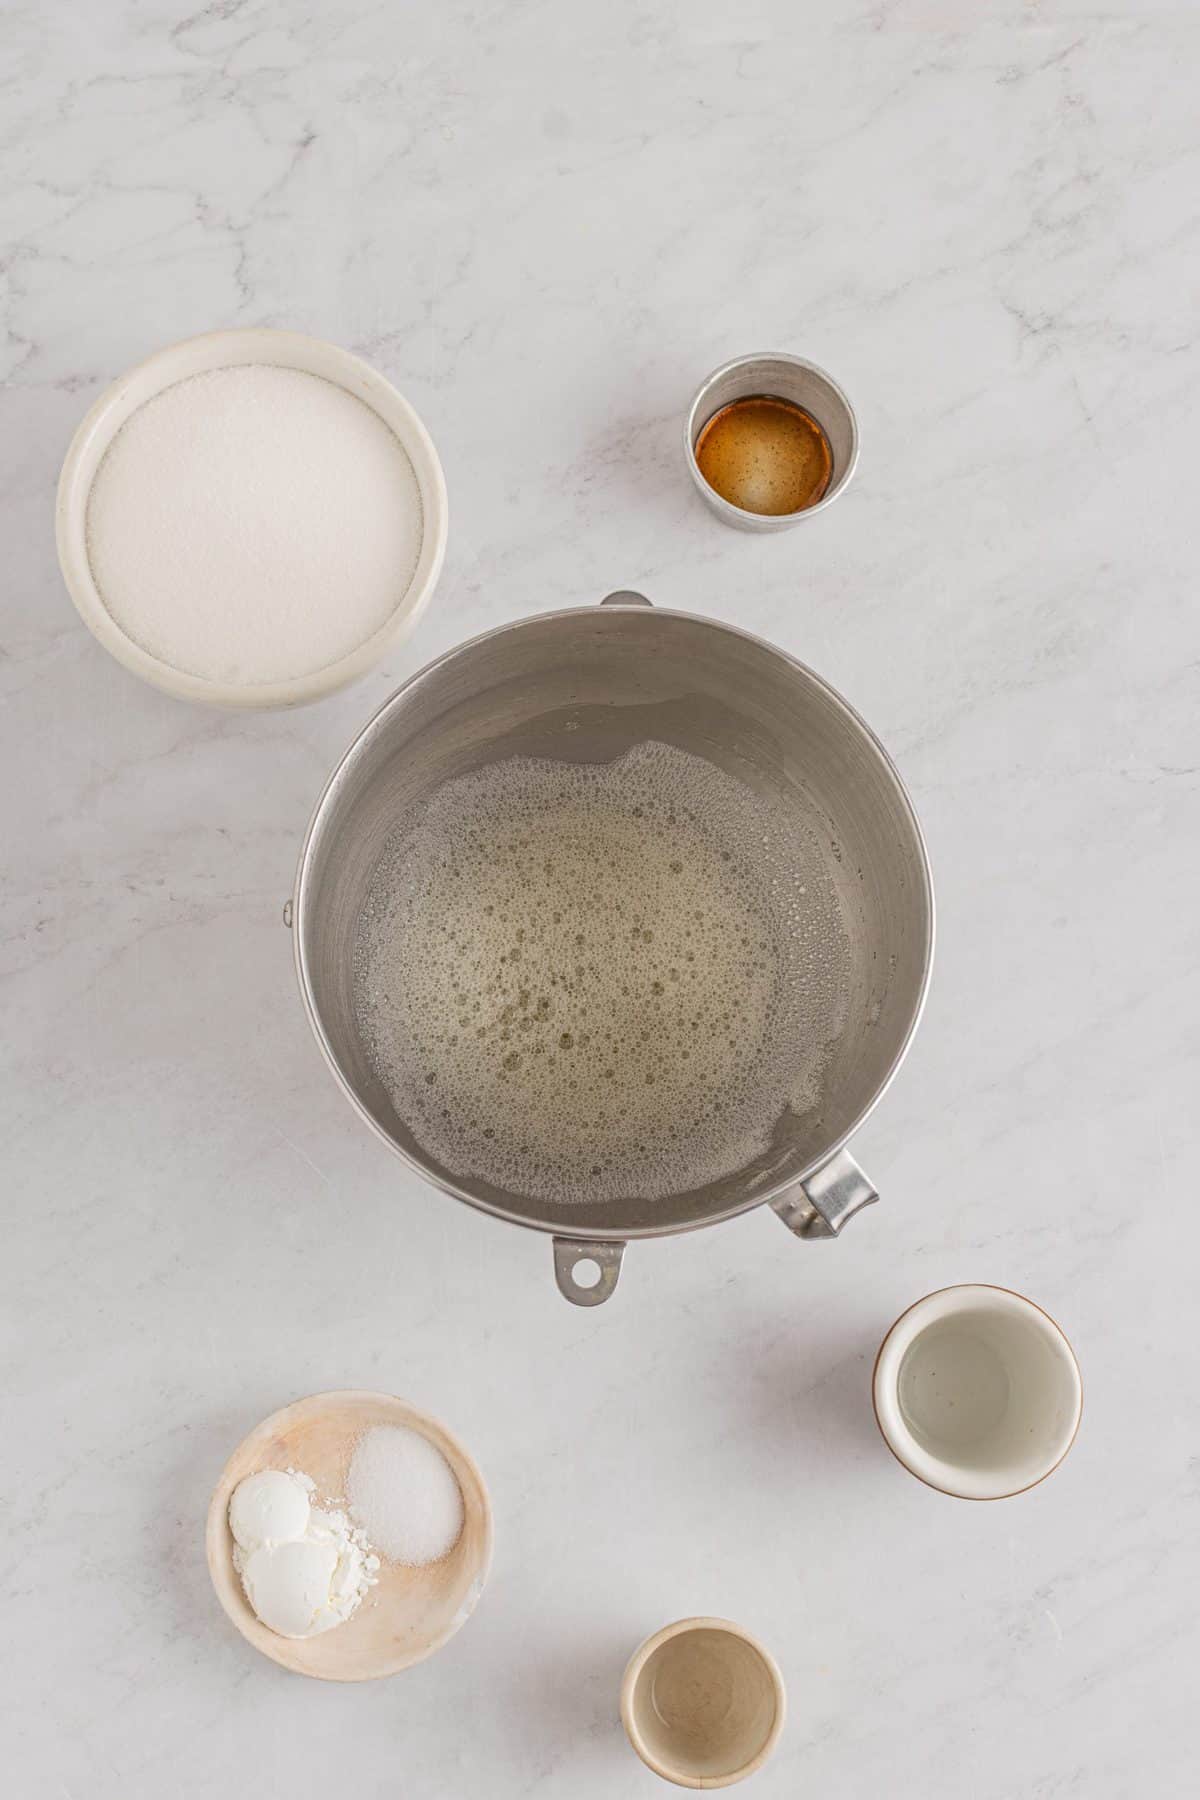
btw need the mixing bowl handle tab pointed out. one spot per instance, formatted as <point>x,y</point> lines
<point>626,597</point>
<point>820,1206</point>
<point>569,1253</point>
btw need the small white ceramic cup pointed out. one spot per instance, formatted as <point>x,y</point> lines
<point>702,1703</point>
<point>223,350</point>
<point>977,1392</point>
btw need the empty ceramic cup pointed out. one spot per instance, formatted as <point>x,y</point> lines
<point>702,1703</point>
<point>977,1392</point>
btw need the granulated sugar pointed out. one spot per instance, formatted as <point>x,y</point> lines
<point>253,524</point>
<point>403,1493</point>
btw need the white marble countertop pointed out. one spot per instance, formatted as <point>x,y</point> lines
<point>546,224</point>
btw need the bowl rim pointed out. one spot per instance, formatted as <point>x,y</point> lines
<point>632,1675</point>
<point>945,1302</point>
<point>208,351</point>
<point>217,1538</point>
<point>590,1233</point>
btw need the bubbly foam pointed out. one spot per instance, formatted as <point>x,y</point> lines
<point>584,981</point>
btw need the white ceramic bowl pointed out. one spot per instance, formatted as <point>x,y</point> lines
<point>223,350</point>
<point>977,1392</point>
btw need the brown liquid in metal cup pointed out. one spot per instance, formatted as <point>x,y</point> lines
<point>765,456</point>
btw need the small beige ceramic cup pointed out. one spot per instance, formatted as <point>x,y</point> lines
<point>702,1703</point>
<point>977,1392</point>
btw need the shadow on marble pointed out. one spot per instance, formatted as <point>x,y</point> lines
<point>641,455</point>
<point>803,1387</point>
<point>565,1697</point>
<point>191,1607</point>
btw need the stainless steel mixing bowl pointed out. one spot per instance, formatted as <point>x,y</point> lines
<point>585,686</point>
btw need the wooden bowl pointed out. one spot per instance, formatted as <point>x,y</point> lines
<point>410,1613</point>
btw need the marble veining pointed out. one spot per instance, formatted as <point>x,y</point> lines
<point>546,224</point>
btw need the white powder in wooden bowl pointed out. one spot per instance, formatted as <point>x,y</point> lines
<point>404,1494</point>
<point>253,524</point>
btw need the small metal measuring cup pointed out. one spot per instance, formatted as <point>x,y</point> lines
<point>779,377</point>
